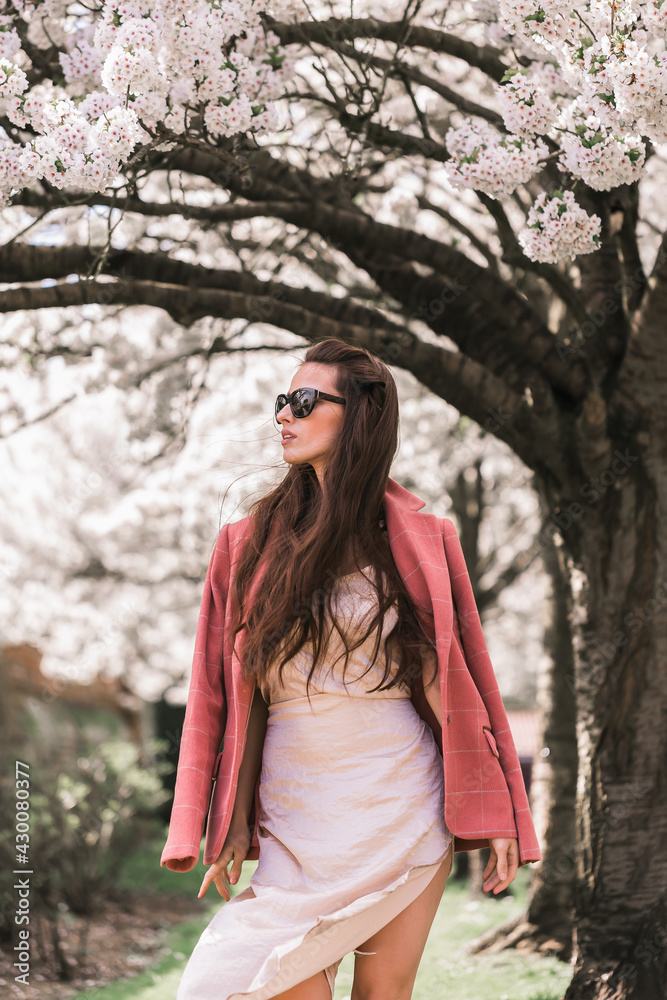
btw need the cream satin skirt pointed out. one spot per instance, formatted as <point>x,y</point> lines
<point>351,831</point>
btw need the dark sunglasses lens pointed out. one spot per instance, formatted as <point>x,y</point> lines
<point>281,402</point>
<point>302,402</point>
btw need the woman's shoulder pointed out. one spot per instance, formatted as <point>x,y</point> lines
<point>232,535</point>
<point>226,552</point>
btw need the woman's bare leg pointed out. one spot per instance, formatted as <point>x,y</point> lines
<point>315,988</point>
<point>390,973</point>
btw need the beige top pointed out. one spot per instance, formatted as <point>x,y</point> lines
<point>355,603</point>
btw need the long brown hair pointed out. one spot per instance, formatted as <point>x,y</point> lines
<point>303,532</point>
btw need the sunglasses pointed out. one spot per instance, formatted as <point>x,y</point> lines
<point>302,401</point>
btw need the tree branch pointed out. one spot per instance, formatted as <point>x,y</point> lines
<point>380,135</point>
<point>231,212</point>
<point>368,243</point>
<point>33,263</point>
<point>647,343</point>
<point>465,383</point>
<point>187,305</point>
<point>335,30</point>
<point>371,245</point>
<point>41,416</point>
<point>400,69</point>
<point>488,596</point>
<point>626,202</point>
<point>604,337</point>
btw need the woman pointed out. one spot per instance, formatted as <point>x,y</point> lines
<point>365,739</point>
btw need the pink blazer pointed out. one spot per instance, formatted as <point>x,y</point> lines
<point>485,795</point>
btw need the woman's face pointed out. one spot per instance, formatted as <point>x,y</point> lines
<point>312,436</point>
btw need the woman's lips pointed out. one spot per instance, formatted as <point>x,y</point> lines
<point>288,437</point>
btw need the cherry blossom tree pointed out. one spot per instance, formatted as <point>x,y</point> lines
<point>474,191</point>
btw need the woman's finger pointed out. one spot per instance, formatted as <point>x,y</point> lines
<point>236,870</point>
<point>490,864</point>
<point>216,869</point>
<point>501,864</point>
<point>496,882</point>
<point>490,884</point>
<point>222,887</point>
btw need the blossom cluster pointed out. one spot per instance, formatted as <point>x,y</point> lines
<point>526,108</point>
<point>539,22</point>
<point>202,67</point>
<point>610,92</point>
<point>483,159</point>
<point>594,153</point>
<point>612,54</point>
<point>557,228</point>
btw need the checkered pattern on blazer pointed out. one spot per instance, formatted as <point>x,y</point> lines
<point>485,795</point>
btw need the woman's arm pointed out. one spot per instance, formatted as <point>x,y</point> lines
<point>252,760</point>
<point>431,684</point>
<point>237,841</point>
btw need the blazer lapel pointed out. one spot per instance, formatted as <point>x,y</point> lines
<point>417,548</point>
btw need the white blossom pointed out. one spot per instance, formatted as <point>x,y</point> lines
<point>81,64</point>
<point>10,43</point>
<point>640,88</point>
<point>543,22</point>
<point>594,153</point>
<point>557,228</point>
<point>117,132</point>
<point>526,109</point>
<point>12,79</point>
<point>227,119</point>
<point>654,16</point>
<point>98,103</point>
<point>484,160</point>
<point>590,75</point>
<point>129,67</point>
<point>130,70</point>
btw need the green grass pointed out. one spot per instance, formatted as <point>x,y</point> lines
<point>446,972</point>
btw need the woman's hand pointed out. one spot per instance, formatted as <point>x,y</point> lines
<point>235,849</point>
<point>502,865</point>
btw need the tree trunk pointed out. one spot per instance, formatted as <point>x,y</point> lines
<point>616,555</point>
<point>554,781</point>
<point>546,927</point>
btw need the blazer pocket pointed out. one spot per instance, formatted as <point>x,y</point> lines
<point>491,740</point>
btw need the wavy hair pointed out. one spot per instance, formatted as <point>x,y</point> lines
<point>303,532</point>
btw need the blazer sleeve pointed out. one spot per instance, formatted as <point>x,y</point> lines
<point>204,722</point>
<point>468,630</point>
